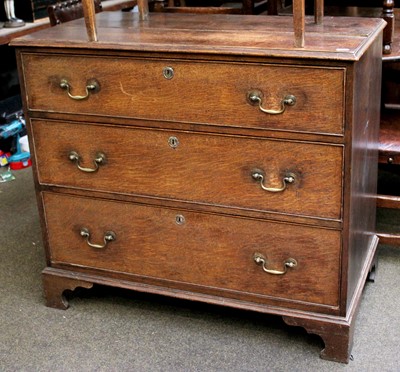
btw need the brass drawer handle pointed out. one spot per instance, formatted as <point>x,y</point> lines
<point>258,176</point>
<point>91,86</point>
<point>260,259</point>
<point>99,160</point>
<point>254,98</point>
<point>109,236</point>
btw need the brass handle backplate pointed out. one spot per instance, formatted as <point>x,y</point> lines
<point>255,98</point>
<point>260,259</point>
<point>109,236</point>
<point>99,160</point>
<point>91,87</point>
<point>288,178</point>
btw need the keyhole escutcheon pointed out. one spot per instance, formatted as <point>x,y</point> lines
<point>173,142</point>
<point>168,72</point>
<point>179,219</point>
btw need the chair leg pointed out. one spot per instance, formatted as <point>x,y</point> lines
<point>299,22</point>
<point>388,33</point>
<point>248,6</point>
<point>390,202</point>
<point>318,11</point>
<point>389,239</point>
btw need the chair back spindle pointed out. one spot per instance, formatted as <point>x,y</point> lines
<point>143,5</point>
<point>89,14</point>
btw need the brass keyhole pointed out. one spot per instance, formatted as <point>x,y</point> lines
<point>173,142</point>
<point>168,72</point>
<point>179,219</point>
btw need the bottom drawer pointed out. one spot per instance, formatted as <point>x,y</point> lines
<point>207,252</point>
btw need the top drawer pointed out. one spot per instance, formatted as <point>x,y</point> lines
<point>212,93</point>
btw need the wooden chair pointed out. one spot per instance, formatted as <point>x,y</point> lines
<point>389,141</point>
<point>388,33</point>
<point>388,195</point>
<point>367,8</point>
<point>68,10</point>
<point>358,8</point>
<point>215,6</point>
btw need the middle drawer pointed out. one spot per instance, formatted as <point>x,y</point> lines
<point>230,171</point>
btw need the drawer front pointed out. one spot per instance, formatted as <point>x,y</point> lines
<point>208,93</point>
<point>208,251</point>
<point>201,168</point>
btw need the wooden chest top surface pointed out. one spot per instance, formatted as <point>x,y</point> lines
<point>337,38</point>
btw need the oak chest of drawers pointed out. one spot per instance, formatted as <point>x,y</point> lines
<point>203,159</point>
